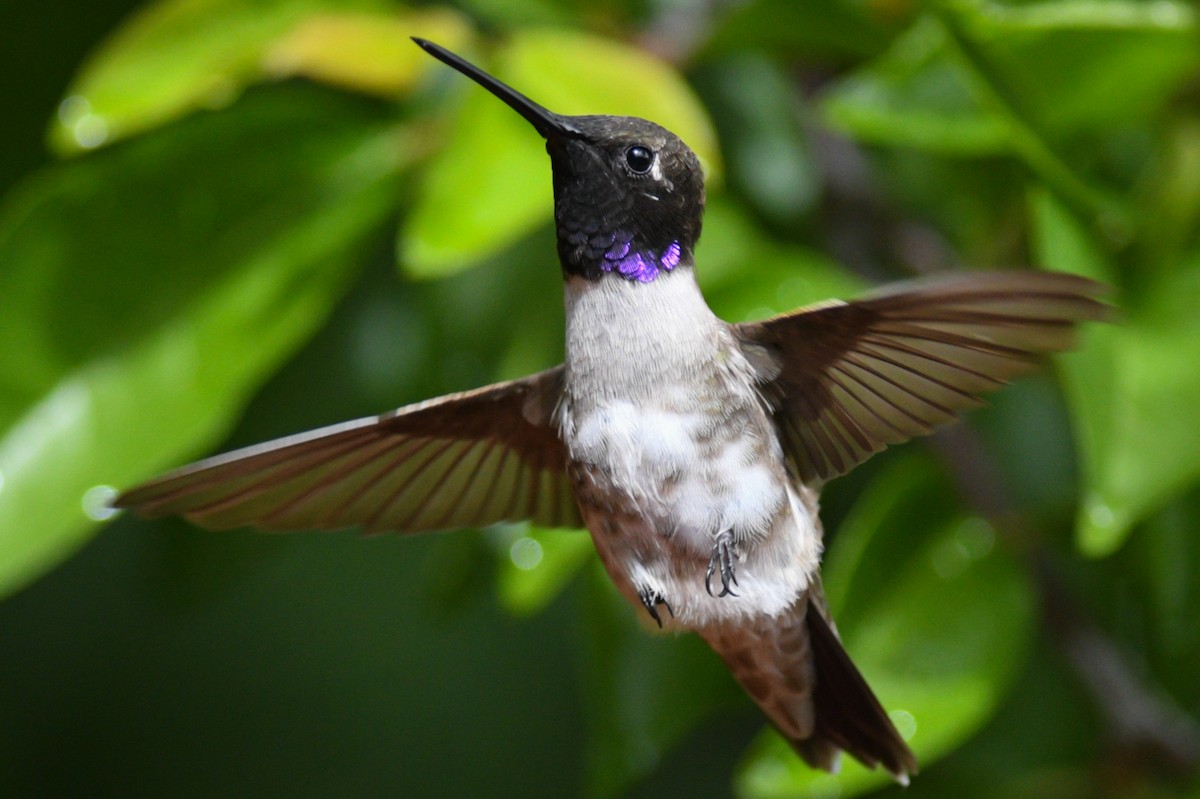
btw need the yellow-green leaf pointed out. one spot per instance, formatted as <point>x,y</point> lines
<point>1131,387</point>
<point>366,52</point>
<point>149,289</point>
<point>537,564</point>
<point>176,56</point>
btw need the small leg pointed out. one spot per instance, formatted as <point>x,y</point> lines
<point>723,557</point>
<point>652,599</point>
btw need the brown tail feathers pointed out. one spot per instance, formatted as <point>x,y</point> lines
<point>793,665</point>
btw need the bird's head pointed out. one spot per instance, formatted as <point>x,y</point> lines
<point>628,193</point>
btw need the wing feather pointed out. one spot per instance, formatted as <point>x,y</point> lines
<point>469,459</point>
<point>847,379</point>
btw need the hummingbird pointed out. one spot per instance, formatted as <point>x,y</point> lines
<point>692,449</point>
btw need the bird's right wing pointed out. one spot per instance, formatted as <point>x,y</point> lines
<point>464,460</point>
<point>847,378</point>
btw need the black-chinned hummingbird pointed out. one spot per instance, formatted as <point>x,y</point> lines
<point>693,450</point>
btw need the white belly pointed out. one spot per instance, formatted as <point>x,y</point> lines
<point>674,447</point>
<point>692,481</point>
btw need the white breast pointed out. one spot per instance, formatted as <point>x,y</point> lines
<point>661,397</point>
<point>660,402</point>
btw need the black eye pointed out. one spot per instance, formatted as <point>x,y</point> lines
<point>639,158</point>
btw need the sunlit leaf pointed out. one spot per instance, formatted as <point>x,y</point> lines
<point>1130,389</point>
<point>491,183</point>
<point>366,52</point>
<point>537,564</point>
<point>175,56</point>
<point>1153,447</point>
<point>147,291</point>
<point>1091,374</point>
<point>1166,16</point>
<point>938,620</point>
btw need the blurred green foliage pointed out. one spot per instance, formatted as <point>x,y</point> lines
<point>204,253</point>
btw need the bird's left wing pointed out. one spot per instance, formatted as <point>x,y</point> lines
<point>847,379</point>
<point>463,460</point>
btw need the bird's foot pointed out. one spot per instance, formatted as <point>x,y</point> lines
<point>723,556</point>
<point>651,598</point>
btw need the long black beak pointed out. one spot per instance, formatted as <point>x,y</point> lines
<point>549,124</point>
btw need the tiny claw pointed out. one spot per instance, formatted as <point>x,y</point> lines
<point>652,599</point>
<point>722,556</point>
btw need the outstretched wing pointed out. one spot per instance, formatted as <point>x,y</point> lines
<point>847,379</point>
<point>464,460</point>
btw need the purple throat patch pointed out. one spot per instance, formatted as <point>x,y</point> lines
<point>643,267</point>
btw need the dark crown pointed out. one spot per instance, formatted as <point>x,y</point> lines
<point>628,198</point>
<point>628,194</point>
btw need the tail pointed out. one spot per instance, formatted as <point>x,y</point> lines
<point>793,665</point>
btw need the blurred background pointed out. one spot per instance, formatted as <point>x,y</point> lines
<point>222,221</point>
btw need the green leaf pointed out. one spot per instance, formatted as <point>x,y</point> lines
<point>840,28</point>
<point>768,150</point>
<point>491,184</point>
<point>915,95</point>
<point>1132,397</point>
<point>937,619</point>
<point>1090,374</point>
<point>1015,72</point>
<point>1121,59</point>
<point>1169,198</point>
<point>510,14</point>
<point>366,52</point>
<point>537,564</point>
<point>978,78</point>
<point>176,56</point>
<point>148,290</point>
<point>1153,447</point>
